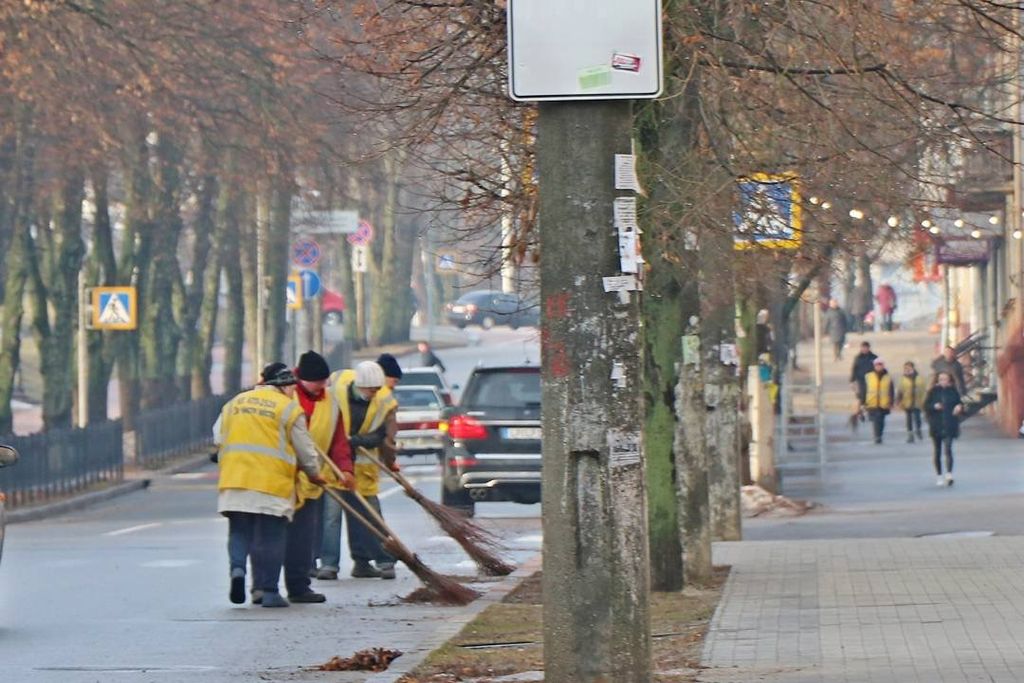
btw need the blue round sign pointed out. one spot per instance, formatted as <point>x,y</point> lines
<point>311,284</point>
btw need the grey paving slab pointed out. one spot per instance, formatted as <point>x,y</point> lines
<point>869,610</point>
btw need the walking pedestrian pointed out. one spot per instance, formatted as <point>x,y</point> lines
<point>322,412</point>
<point>911,396</point>
<point>863,364</point>
<point>944,408</point>
<point>886,298</point>
<point>263,444</point>
<point>365,404</point>
<point>878,398</point>
<point>837,327</point>
<point>428,358</point>
<point>950,364</point>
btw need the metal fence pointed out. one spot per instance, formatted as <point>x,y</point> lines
<point>60,462</point>
<point>179,429</point>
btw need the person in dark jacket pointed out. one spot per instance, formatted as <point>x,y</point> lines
<point>863,363</point>
<point>428,358</point>
<point>943,407</point>
<point>949,363</point>
<point>836,326</point>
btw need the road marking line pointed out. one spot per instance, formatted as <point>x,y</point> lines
<point>412,480</point>
<point>131,529</point>
<point>529,539</point>
<point>168,564</point>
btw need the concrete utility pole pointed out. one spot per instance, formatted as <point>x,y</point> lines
<point>721,388</point>
<point>596,564</point>
<point>691,455</point>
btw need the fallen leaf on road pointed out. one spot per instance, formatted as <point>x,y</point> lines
<point>375,659</point>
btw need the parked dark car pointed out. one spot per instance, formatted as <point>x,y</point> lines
<point>429,377</point>
<point>8,456</point>
<point>488,308</point>
<point>493,448</point>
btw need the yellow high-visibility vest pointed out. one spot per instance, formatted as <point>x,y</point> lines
<point>383,402</point>
<point>912,392</point>
<point>322,424</point>
<point>878,396</point>
<point>256,453</point>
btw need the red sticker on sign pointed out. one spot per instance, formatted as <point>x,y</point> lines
<point>625,62</point>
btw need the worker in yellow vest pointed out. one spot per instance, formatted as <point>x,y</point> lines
<point>322,414</point>
<point>878,398</point>
<point>910,397</point>
<point>392,376</point>
<point>263,444</point>
<point>365,404</point>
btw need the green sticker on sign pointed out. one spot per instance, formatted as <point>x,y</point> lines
<point>595,77</point>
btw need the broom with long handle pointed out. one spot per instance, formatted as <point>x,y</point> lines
<point>446,589</point>
<point>478,543</point>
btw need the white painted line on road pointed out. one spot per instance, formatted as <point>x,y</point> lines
<point>529,539</point>
<point>168,564</point>
<point>189,475</point>
<point>387,493</point>
<point>440,539</point>
<point>132,529</point>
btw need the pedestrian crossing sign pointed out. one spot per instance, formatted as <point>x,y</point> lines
<point>114,308</point>
<point>294,294</point>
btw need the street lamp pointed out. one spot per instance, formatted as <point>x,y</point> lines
<point>926,223</point>
<point>934,230</point>
<point>893,221</point>
<point>959,222</point>
<point>976,234</point>
<point>826,205</point>
<point>994,220</point>
<point>856,214</point>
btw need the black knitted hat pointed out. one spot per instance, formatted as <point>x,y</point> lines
<point>313,367</point>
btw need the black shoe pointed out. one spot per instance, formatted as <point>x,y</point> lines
<point>327,574</point>
<point>257,596</point>
<point>878,440</point>
<point>308,596</point>
<point>364,570</point>
<point>910,438</point>
<point>237,595</point>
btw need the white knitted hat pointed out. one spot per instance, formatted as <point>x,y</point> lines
<point>369,375</point>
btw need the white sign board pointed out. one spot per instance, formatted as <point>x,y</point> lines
<point>360,259</point>
<point>310,222</point>
<point>584,49</point>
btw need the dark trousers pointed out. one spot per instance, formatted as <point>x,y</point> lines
<point>914,420</point>
<point>887,321</point>
<point>837,347</point>
<point>362,543</point>
<point>299,547</point>
<point>261,537</point>
<point>943,444</point>
<point>878,420</point>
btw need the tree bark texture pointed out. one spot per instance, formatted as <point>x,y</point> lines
<point>276,258</point>
<point>596,573</point>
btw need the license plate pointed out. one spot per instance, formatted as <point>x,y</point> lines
<point>522,432</point>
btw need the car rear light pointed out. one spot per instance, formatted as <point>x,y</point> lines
<point>461,462</point>
<point>465,428</point>
<point>427,425</point>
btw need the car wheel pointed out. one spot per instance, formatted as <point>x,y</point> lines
<point>459,501</point>
<point>487,323</point>
<point>334,318</point>
<point>514,323</point>
<point>461,325</point>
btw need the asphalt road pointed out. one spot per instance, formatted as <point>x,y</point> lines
<point>136,589</point>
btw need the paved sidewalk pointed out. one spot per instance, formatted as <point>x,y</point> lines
<point>871,610</point>
<point>892,579</point>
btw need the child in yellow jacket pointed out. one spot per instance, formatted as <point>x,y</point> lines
<point>911,396</point>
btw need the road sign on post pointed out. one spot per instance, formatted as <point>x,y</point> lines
<point>570,50</point>
<point>114,308</point>
<point>311,284</point>
<point>362,236</point>
<point>595,519</point>
<point>305,253</point>
<point>360,259</point>
<point>769,213</point>
<point>293,293</point>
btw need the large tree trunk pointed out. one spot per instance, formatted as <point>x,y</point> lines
<point>391,297</point>
<point>237,300</point>
<point>54,262</point>
<point>192,301</point>
<point>160,333</point>
<point>276,258</point>
<point>101,270</point>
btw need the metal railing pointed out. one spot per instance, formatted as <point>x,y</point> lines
<point>60,462</point>
<point>179,429</point>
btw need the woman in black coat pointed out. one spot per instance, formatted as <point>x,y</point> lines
<point>943,407</point>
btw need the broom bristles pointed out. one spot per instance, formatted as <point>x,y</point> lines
<point>478,543</point>
<point>446,590</point>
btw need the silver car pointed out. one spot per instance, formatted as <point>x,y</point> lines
<point>421,428</point>
<point>8,456</point>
